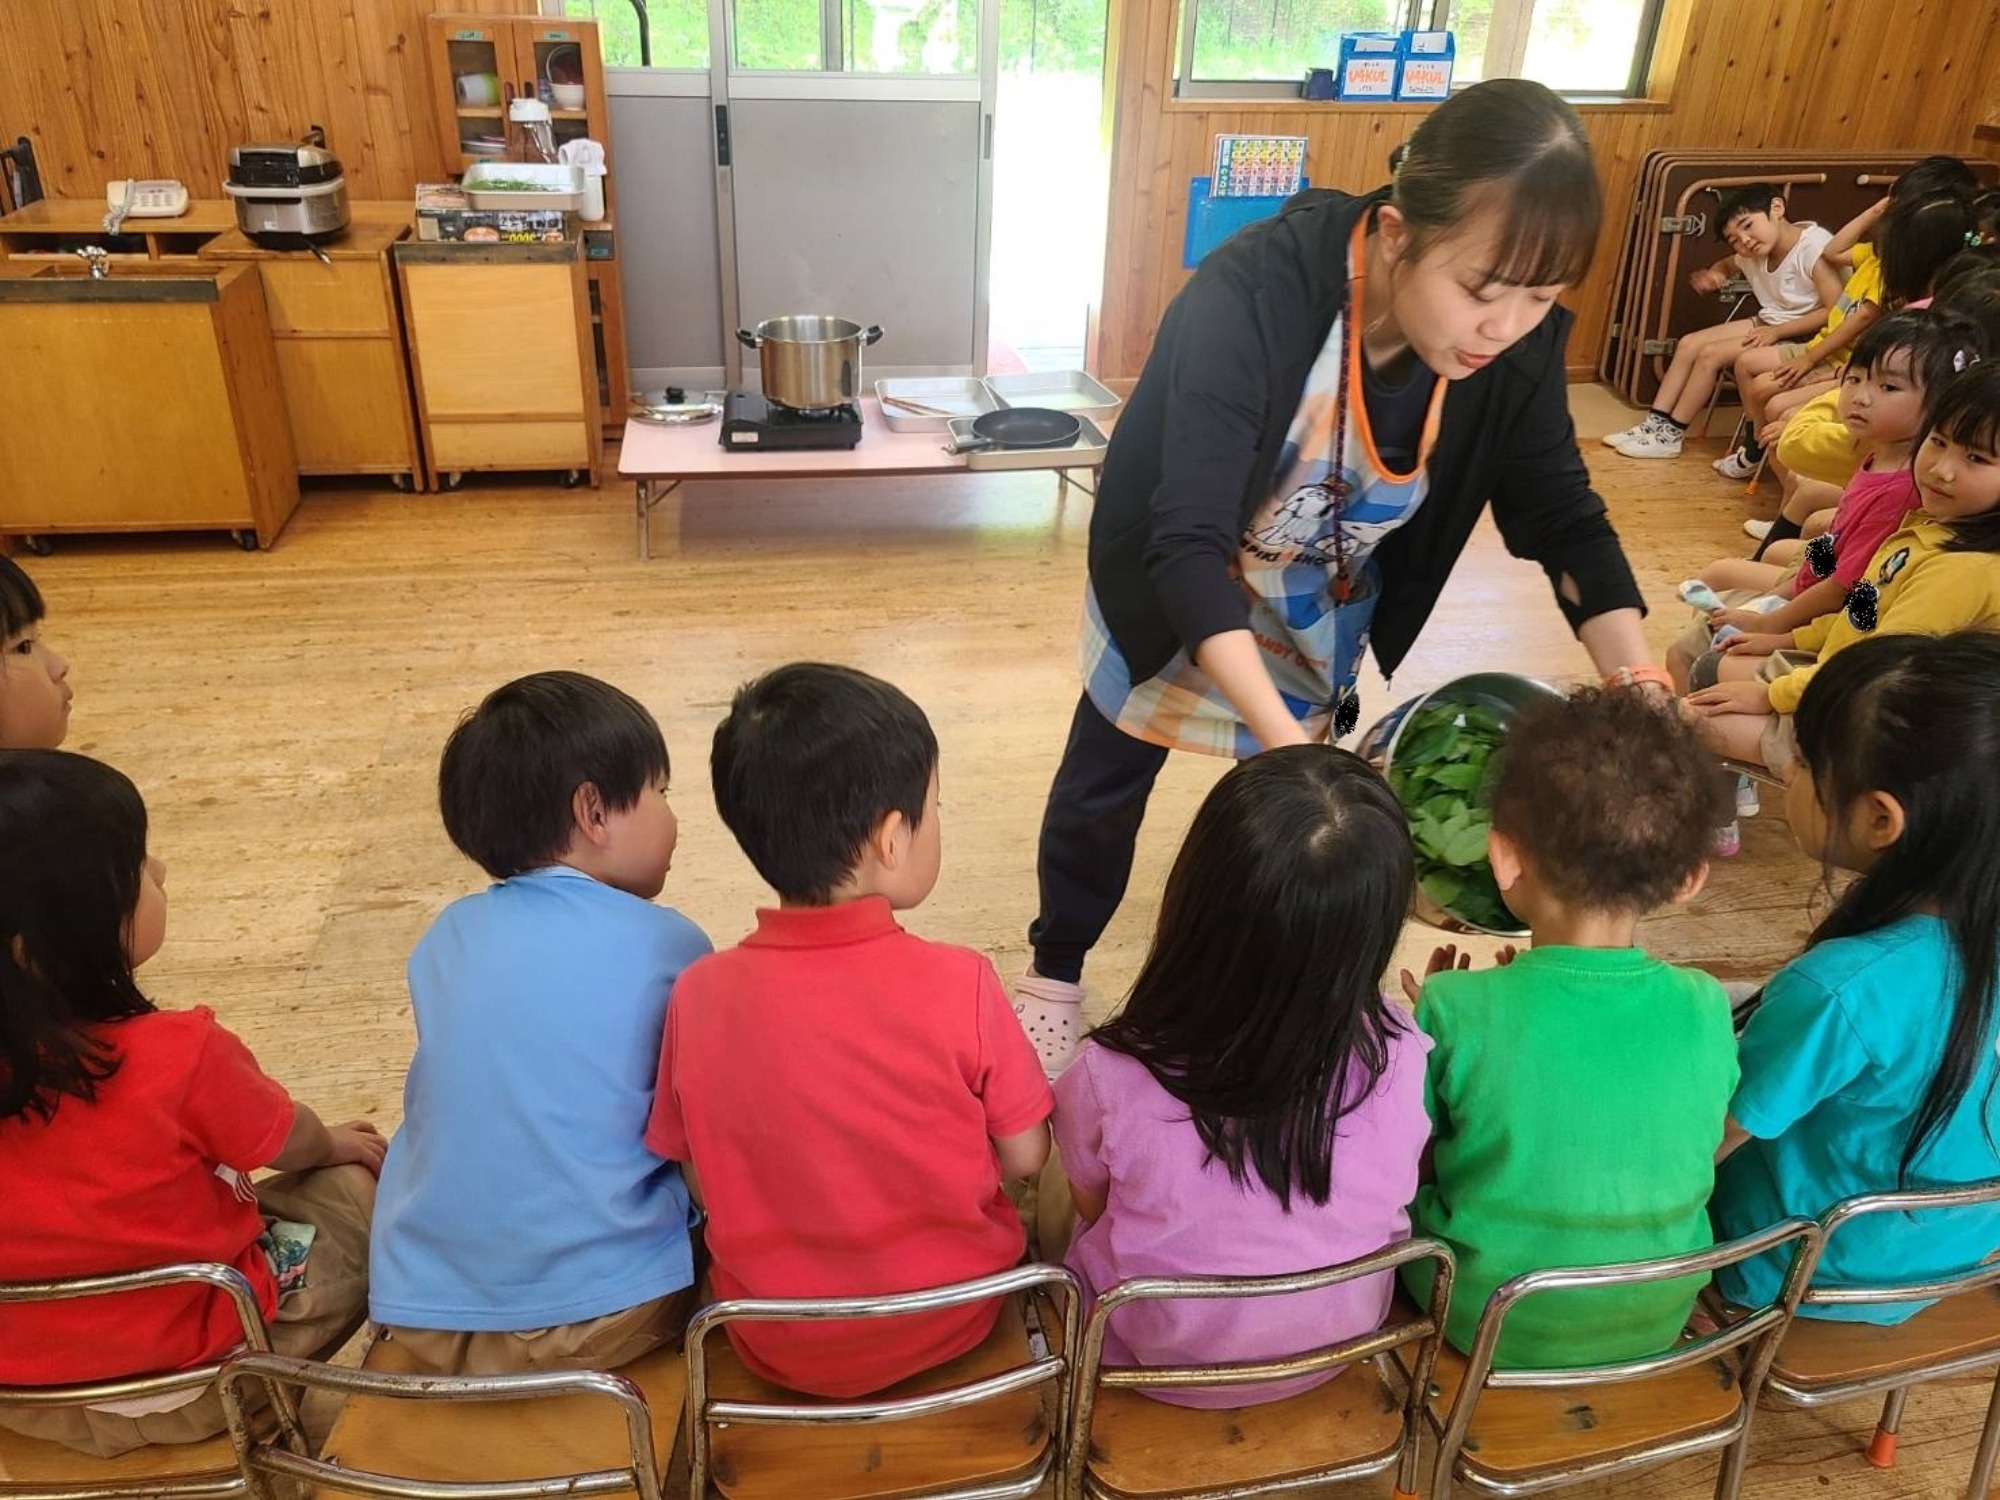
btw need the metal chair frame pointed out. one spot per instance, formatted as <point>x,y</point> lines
<point>1757,1332</point>
<point>1882,1449</point>
<point>242,1299</point>
<point>1424,1331</point>
<point>263,1459</point>
<point>1055,1368</point>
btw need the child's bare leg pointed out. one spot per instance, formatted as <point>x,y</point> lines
<point>1818,522</point>
<point>1736,736</point>
<point>1781,406</point>
<point>1710,351</point>
<point>1755,369</point>
<point>1741,573</point>
<point>1736,667</point>
<point>1786,555</point>
<point>1807,498</point>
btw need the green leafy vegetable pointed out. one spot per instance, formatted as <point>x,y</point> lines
<point>1441,776</point>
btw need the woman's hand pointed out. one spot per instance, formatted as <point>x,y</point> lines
<point>357,1143</point>
<point>1731,698</point>
<point>1756,643</point>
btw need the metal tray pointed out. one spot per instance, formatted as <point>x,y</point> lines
<point>1087,452</point>
<point>956,395</point>
<point>1059,390</point>
<point>562,185</point>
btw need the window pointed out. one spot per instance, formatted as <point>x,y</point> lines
<point>648,33</point>
<point>1262,48</point>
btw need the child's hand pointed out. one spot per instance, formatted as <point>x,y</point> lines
<point>1787,376</point>
<point>1742,619</point>
<point>1731,698</point>
<point>1771,431</point>
<point>1707,279</point>
<point>1761,336</point>
<point>357,1143</point>
<point>1443,961</point>
<point>1755,643</point>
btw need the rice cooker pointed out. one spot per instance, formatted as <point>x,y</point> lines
<point>287,195</point>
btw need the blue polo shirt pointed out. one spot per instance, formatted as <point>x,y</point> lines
<point>519,1193</point>
<point>1835,1064</point>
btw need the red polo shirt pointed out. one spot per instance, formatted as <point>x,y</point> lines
<point>128,1182</point>
<point>837,1084</point>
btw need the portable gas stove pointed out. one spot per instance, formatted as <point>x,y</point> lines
<point>753,424</point>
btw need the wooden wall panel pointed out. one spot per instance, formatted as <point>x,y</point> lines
<point>163,88</point>
<point>1833,74</point>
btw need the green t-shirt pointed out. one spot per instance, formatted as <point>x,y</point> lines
<point>1576,1097</point>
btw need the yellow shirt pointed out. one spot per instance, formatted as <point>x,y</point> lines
<point>1923,590</point>
<point>1864,284</point>
<point>1816,443</point>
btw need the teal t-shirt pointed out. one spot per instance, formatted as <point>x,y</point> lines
<point>1835,1064</point>
<point>1576,1097</point>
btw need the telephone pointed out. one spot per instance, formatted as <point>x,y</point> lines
<point>135,199</point>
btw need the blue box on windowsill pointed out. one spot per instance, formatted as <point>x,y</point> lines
<point>1426,65</point>
<point>1370,63</point>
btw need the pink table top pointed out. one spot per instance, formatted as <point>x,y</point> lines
<point>695,452</point>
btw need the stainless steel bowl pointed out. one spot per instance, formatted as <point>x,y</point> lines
<point>1503,692</point>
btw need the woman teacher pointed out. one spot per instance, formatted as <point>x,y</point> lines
<point>1330,404</point>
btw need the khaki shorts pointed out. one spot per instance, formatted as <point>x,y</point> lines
<point>313,1320</point>
<point>604,1343</point>
<point>1697,642</point>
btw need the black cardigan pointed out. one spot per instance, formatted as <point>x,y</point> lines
<point>1196,448</point>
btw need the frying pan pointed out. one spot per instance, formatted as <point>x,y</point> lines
<point>1021,427</point>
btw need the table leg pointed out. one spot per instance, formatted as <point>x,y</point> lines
<point>647,498</point>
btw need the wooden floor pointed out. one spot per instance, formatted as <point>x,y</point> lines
<point>283,715</point>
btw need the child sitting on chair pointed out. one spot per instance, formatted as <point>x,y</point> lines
<point>848,1099</point>
<point>1794,289</point>
<point>523,1224</point>
<point>1577,1095</point>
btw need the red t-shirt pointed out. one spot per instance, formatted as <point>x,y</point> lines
<point>837,1084</point>
<point>1871,510</point>
<point>128,1182</point>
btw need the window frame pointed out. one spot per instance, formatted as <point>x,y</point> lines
<point>1512,22</point>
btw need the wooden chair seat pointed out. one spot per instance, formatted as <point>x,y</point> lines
<point>992,1441</point>
<point>1819,1353</point>
<point>1523,1431</point>
<point>466,1440</point>
<point>28,1464</point>
<point>1140,1447</point>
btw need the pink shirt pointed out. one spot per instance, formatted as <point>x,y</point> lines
<point>1871,510</point>
<point>1171,1211</point>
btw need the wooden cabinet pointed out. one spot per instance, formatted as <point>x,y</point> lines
<point>156,404</point>
<point>338,339</point>
<point>478,64</point>
<point>500,348</point>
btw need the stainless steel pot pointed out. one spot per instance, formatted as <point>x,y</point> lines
<point>810,363</point>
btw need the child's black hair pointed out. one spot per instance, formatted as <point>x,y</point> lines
<point>1937,348</point>
<point>1966,409</point>
<point>806,766</point>
<point>509,772</point>
<point>1520,147</point>
<point>1611,797</point>
<point>1754,198</point>
<point>72,851</point>
<point>1259,1007</point>
<point>1918,717</point>
<point>20,601</point>
<point>1968,290</point>
<point>1934,174</point>
<point>1986,216</point>
<point>1918,237</point>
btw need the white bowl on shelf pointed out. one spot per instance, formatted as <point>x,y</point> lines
<point>567,95</point>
